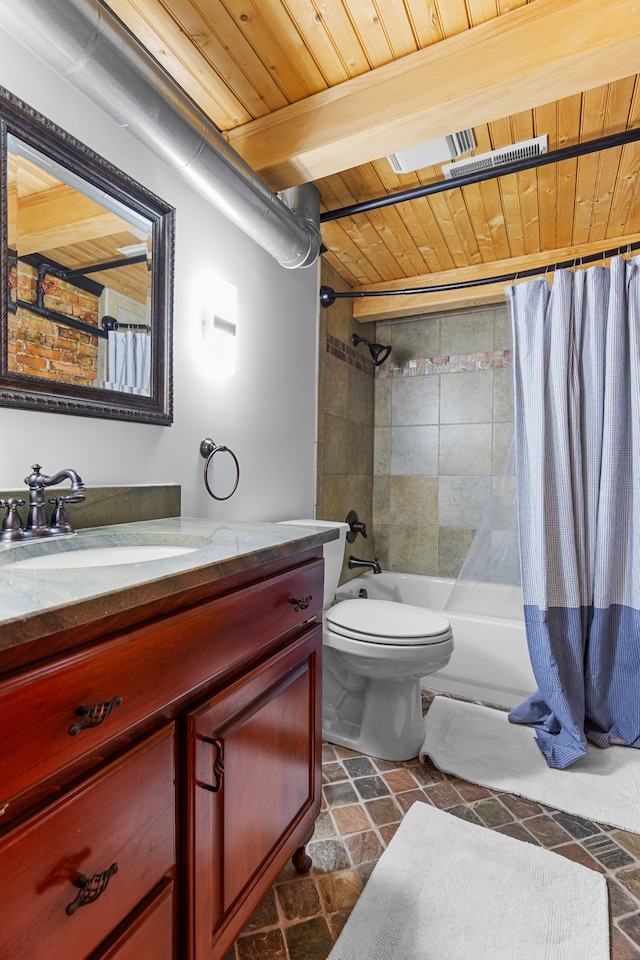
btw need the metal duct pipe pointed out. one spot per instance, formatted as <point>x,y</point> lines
<point>84,43</point>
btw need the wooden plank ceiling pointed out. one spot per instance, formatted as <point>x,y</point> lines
<point>324,90</point>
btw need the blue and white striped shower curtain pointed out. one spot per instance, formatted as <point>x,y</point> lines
<point>577,403</point>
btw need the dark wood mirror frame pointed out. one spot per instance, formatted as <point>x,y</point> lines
<point>39,393</point>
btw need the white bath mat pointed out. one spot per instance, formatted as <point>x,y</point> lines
<point>445,889</point>
<point>479,744</point>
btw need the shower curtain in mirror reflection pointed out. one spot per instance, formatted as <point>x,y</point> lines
<point>577,399</point>
<point>129,362</point>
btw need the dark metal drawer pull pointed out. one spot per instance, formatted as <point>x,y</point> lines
<point>303,603</point>
<point>93,716</point>
<point>90,888</point>
<point>218,765</point>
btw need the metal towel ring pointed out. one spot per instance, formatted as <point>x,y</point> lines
<point>207,450</point>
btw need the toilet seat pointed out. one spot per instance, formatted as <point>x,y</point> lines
<point>386,622</point>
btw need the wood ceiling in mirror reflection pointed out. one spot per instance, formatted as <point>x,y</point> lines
<point>325,89</point>
<point>69,228</point>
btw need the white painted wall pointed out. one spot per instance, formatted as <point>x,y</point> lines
<point>265,412</point>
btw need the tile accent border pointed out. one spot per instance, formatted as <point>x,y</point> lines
<point>349,354</point>
<point>456,363</point>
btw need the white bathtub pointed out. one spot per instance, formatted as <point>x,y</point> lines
<point>490,661</point>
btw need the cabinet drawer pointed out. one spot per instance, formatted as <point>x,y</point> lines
<point>134,676</point>
<point>150,936</point>
<point>121,822</point>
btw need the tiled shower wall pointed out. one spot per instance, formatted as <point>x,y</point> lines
<point>415,450</point>
<point>443,424</point>
<point>345,418</point>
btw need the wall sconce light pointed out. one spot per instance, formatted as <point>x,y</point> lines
<point>219,329</point>
<point>378,353</point>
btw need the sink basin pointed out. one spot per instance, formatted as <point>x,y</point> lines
<point>101,556</point>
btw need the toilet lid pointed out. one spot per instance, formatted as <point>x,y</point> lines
<point>385,621</point>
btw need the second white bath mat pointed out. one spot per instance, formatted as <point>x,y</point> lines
<point>478,743</point>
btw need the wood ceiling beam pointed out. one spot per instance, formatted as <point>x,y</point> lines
<point>528,57</point>
<point>399,306</point>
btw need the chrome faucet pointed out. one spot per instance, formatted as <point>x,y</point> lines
<point>355,562</point>
<point>37,524</point>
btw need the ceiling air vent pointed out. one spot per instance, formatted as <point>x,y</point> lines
<point>496,158</point>
<point>435,151</point>
<point>462,142</point>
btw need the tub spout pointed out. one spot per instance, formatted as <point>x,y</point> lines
<point>373,564</point>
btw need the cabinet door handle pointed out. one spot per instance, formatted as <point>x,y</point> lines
<point>90,888</point>
<point>93,716</point>
<point>303,603</point>
<point>218,765</point>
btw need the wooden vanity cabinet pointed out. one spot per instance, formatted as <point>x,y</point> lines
<point>154,831</point>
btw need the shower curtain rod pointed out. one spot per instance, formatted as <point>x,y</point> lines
<point>329,296</point>
<point>516,166</point>
<point>56,317</point>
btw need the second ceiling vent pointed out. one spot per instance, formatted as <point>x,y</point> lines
<point>496,158</point>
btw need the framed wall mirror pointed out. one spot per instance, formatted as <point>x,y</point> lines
<point>86,271</point>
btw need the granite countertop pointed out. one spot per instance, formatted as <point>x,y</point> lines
<point>37,602</point>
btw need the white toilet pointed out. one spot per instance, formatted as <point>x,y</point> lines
<point>374,654</point>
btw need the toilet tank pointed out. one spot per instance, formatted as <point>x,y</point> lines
<point>333,554</point>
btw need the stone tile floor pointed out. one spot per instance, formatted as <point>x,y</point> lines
<point>364,800</point>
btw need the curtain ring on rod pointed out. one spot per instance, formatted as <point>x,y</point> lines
<point>208,449</point>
